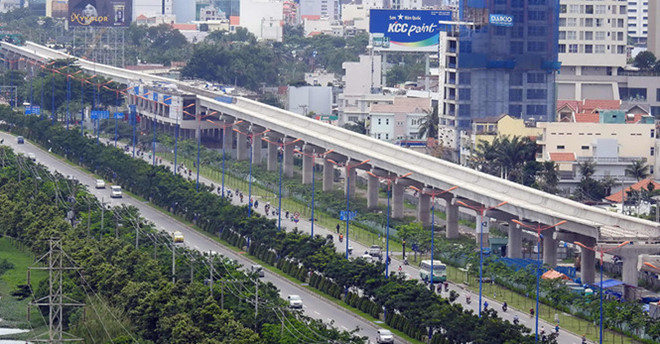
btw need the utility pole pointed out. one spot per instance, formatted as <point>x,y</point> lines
<point>256,298</point>
<point>173,263</point>
<point>102,213</point>
<point>55,300</point>
<point>211,273</point>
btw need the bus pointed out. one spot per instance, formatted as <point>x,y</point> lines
<point>439,271</point>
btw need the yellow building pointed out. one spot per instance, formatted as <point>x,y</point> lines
<point>488,128</point>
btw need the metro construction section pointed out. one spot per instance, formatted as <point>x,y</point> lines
<point>198,107</point>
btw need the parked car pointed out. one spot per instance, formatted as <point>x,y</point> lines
<point>295,301</point>
<point>100,184</point>
<point>115,191</point>
<point>384,336</point>
<point>258,269</point>
<point>20,140</point>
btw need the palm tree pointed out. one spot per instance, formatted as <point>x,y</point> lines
<point>430,123</point>
<point>587,169</point>
<point>638,169</point>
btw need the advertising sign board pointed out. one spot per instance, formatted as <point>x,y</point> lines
<point>407,30</point>
<point>100,13</point>
<point>500,20</point>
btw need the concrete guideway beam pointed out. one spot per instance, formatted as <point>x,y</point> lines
<point>523,202</point>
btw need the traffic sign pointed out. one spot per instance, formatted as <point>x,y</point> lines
<point>351,215</point>
<point>33,110</point>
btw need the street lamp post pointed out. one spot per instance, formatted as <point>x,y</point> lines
<point>198,118</point>
<point>387,225</point>
<point>250,137</point>
<point>348,192</point>
<point>538,229</point>
<point>224,132</point>
<point>313,156</point>
<point>281,146</point>
<point>602,252</point>
<point>481,210</point>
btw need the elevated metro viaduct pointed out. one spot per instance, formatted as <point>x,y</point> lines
<point>211,110</point>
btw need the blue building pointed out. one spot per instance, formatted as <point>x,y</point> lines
<point>504,64</point>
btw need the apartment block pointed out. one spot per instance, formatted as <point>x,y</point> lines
<point>638,20</point>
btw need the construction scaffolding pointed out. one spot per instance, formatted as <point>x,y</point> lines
<point>99,44</point>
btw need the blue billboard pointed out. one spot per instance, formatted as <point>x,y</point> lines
<point>407,30</point>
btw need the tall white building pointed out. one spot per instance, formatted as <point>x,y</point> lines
<point>317,9</point>
<point>263,18</point>
<point>592,42</point>
<point>653,41</point>
<point>152,8</point>
<point>406,4</point>
<point>638,20</point>
<point>184,11</point>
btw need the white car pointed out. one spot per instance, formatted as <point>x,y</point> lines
<point>295,301</point>
<point>32,156</point>
<point>384,336</point>
<point>100,184</point>
<point>115,191</point>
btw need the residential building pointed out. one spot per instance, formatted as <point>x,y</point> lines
<point>9,5</point>
<point>487,70</point>
<point>317,9</point>
<point>592,47</point>
<point>488,128</point>
<point>307,100</point>
<point>653,37</point>
<point>362,84</point>
<point>153,8</point>
<point>638,21</point>
<point>313,27</point>
<point>406,4</point>
<point>263,18</point>
<point>290,12</point>
<point>612,139</point>
<point>399,120</point>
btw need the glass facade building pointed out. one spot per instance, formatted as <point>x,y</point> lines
<point>501,66</point>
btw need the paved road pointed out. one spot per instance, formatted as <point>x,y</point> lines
<point>314,306</point>
<point>412,271</point>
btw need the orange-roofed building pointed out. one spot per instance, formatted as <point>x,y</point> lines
<point>642,184</point>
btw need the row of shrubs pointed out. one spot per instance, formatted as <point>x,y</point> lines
<point>423,310</point>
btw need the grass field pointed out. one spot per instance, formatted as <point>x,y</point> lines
<point>13,311</point>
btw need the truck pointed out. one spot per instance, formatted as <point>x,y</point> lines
<point>178,237</point>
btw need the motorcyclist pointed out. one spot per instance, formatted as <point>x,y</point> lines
<point>504,306</point>
<point>341,237</point>
<point>516,321</point>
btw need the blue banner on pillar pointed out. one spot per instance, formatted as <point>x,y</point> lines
<point>118,115</point>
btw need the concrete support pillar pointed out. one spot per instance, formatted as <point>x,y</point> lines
<point>397,200</point>
<point>353,176</point>
<point>308,165</point>
<point>549,248</point>
<point>256,149</point>
<point>424,209</point>
<point>514,244</point>
<point>372,192</point>
<point>328,175</point>
<point>272,162</point>
<point>288,158</point>
<point>452,219</point>
<point>588,261</point>
<point>630,272</point>
<point>242,152</point>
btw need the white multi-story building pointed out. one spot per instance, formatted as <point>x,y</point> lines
<point>152,8</point>
<point>317,9</point>
<point>398,121</point>
<point>263,18</point>
<point>638,20</point>
<point>653,40</point>
<point>406,4</point>
<point>592,43</point>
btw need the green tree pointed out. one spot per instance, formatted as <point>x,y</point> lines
<point>430,123</point>
<point>645,60</point>
<point>358,127</point>
<point>638,169</point>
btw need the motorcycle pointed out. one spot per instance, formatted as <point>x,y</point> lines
<point>405,261</point>
<point>341,238</point>
<point>468,299</point>
<point>504,307</point>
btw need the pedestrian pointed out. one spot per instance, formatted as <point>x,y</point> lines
<point>584,339</point>
<point>485,305</point>
<point>557,329</point>
<point>400,269</point>
<point>337,228</point>
<point>286,214</point>
<point>256,204</point>
<point>531,312</point>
